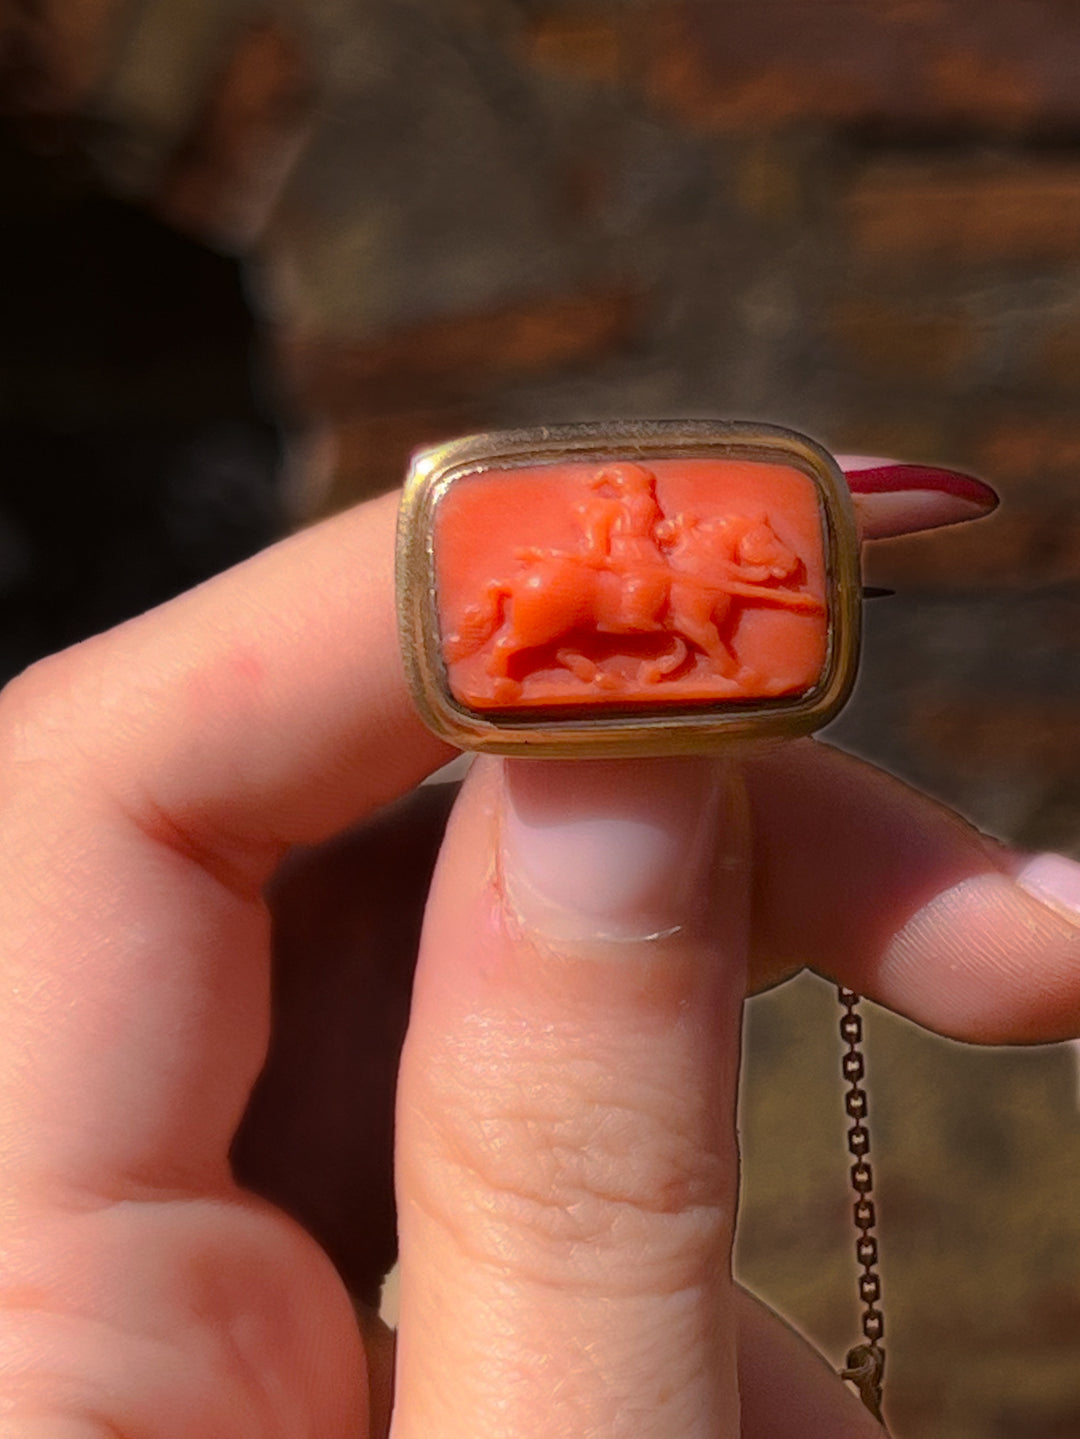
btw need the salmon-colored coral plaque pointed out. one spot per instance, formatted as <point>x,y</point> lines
<point>619,584</point>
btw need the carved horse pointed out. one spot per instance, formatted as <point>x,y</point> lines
<point>561,596</point>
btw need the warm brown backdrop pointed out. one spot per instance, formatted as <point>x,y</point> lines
<point>859,217</point>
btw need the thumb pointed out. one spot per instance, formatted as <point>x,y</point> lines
<point>567,1162</point>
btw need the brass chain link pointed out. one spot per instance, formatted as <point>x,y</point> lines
<point>865,1362</point>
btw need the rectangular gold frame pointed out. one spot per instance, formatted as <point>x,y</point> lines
<point>677,731</point>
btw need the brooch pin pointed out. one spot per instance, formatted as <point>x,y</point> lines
<point>636,589</point>
<point>628,589</point>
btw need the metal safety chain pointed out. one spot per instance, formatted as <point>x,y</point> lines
<point>865,1362</point>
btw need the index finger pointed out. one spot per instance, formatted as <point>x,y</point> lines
<point>154,777</point>
<point>265,708</point>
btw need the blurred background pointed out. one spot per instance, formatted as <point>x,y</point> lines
<point>255,251</point>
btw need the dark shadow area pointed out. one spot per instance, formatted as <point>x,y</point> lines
<point>137,454</point>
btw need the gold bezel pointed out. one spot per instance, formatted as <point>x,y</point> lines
<point>681,731</point>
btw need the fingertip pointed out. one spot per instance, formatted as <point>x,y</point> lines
<point>894,498</point>
<point>986,960</point>
<point>874,475</point>
<point>1053,879</point>
<point>614,850</point>
<point>884,889</point>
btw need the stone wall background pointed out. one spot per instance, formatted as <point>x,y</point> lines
<point>857,217</point>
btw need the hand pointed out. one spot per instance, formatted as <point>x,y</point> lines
<point>566,1162</point>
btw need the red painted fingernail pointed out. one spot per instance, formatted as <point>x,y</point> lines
<point>868,476</point>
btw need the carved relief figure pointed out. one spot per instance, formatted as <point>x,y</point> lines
<point>637,605</point>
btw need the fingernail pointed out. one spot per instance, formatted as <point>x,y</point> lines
<point>872,475</point>
<point>1053,879</point>
<point>614,850</point>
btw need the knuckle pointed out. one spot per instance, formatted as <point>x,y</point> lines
<point>40,707</point>
<point>575,1172</point>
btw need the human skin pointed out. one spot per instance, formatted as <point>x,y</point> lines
<point>566,1164</point>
